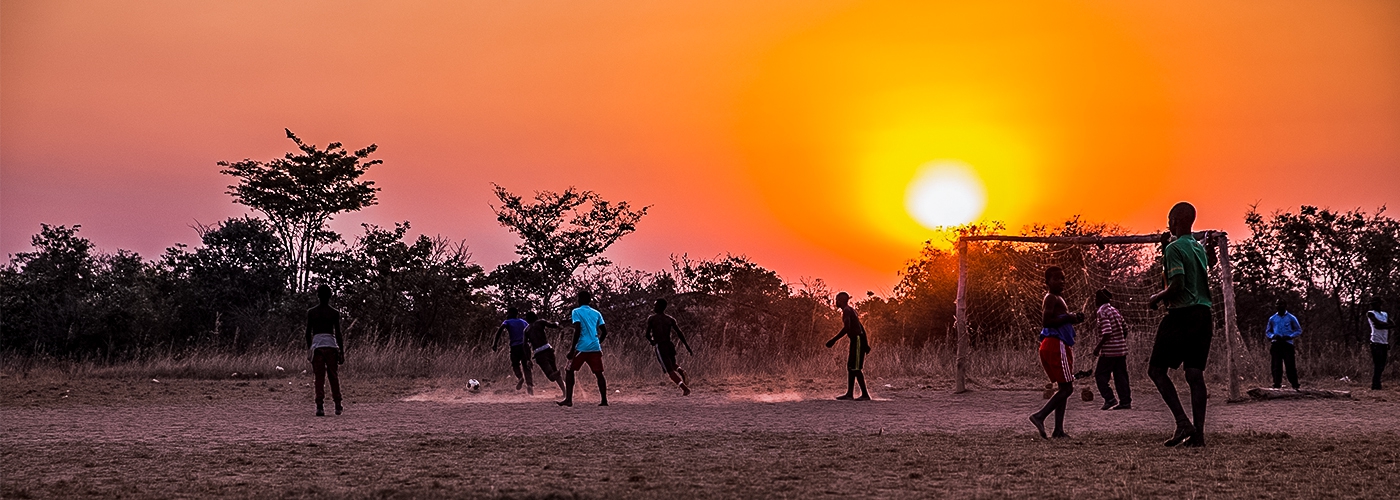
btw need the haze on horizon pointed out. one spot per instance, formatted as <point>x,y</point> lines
<point>788,131</point>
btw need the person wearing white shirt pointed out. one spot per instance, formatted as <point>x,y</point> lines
<point>1380,340</point>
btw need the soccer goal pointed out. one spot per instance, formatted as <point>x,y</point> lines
<point>1001,289</point>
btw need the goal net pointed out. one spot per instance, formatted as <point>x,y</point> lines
<point>1001,288</point>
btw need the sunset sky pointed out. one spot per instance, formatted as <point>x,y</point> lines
<point>788,131</point>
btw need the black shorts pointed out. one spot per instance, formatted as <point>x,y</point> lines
<point>855,361</point>
<point>545,359</point>
<point>1183,338</point>
<point>519,354</point>
<point>666,354</point>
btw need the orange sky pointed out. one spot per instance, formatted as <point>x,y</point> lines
<point>784,130</point>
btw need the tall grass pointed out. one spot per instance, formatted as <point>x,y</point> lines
<point>932,365</point>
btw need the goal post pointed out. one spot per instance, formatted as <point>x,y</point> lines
<point>1224,268</point>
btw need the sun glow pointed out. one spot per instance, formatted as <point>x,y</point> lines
<point>945,193</point>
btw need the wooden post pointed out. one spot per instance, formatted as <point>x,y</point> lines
<point>960,319</point>
<point>1227,289</point>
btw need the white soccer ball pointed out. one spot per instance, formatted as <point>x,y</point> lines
<point>474,385</point>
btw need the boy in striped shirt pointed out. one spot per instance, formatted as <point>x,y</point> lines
<point>1113,353</point>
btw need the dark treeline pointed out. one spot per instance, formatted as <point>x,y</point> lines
<point>244,286</point>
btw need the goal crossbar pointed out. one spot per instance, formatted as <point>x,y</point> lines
<point>1227,289</point>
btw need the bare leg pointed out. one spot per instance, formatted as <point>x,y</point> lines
<point>568,389</point>
<point>1196,378</point>
<point>850,386</point>
<point>1165,386</point>
<point>864,393</point>
<point>1055,404</point>
<point>679,380</point>
<point>1067,390</point>
<point>602,388</point>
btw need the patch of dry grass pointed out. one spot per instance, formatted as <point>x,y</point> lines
<point>994,368</point>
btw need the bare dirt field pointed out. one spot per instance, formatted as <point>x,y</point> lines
<point>430,438</point>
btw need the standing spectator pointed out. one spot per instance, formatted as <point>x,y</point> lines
<point>1282,329</point>
<point>1380,340</point>
<point>324,340</point>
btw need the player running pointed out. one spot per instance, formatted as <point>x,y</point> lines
<point>659,328</point>
<point>544,353</point>
<point>519,352</point>
<point>860,346</point>
<point>589,332</point>
<point>1056,339</point>
<point>1183,337</point>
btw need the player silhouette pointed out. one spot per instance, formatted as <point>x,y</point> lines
<point>323,339</point>
<point>860,346</point>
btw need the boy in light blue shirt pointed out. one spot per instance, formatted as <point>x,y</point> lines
<point>589,332</point>
<point>1282,329</point>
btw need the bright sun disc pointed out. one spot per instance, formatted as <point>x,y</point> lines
<point>945,193</point>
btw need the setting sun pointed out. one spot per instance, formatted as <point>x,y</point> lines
<point>945,193</point>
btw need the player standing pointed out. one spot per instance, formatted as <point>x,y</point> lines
<point>860,346</point>
<point>1380,340</point>
<point>1183,337</point>
<point>1056,339</point>
<point>323,339</point>
<point>1283,327</point>
<point>1113,353</point>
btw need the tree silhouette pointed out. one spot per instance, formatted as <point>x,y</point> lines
<point>560,233</point>
<point>300,192</point>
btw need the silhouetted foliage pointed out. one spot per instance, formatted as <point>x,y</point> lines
<point>1327,264</point>
<point>223,292</point>
<point>560,234</point>
<point>425,290</point>
<point>300,192</point>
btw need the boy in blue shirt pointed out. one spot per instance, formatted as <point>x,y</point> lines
<point>1056,355</point>
<point>519,352</point>
<point>589,332</point>
<point>1282,329</point>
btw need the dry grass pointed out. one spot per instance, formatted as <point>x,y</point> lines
<point>1317,364</point>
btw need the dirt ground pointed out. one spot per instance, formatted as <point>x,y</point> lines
<point>431,438</point>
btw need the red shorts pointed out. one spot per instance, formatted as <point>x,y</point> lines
<point>593,359</point>
<point>1057,359</point>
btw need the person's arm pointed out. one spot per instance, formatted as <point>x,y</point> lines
<point>1053,318</point>
<point>1297,328</point>
<point>1269,329</point>
<point>1175,285</point>
<point>681,336</point>
<point>1376,320</point>
<point>838,336</point>
<point>339,341</point>
<point>495,342</point>
<point>308,330</point>
<point>651,339</point>
<point>844,326</point>
<point>602,332</point>
<point>578,333</point>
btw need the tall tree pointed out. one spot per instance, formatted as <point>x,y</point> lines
<point>300,192</point>
<point>560,233</point>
